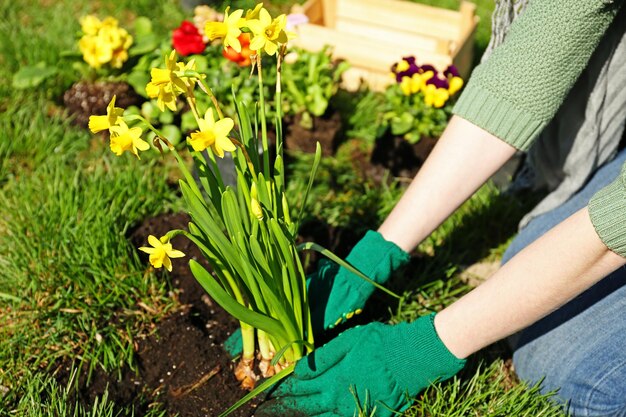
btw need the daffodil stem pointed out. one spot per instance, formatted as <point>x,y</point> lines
<point>191,99</point>
<point>209,92</point>
<point>246,155</point>
<point>278,102</point>
<point>247,338</point>
<point>266,154</point>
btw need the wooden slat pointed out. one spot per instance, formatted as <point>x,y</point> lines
<point>363,52</point>
<point>376,33</point>
<point>404,15</point>
<point>313,9</point>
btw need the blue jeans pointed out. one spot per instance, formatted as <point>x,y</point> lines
<point>579,349</point>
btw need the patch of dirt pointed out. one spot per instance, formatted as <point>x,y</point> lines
<point>399,156</point>
<point>325,130</point>
<point>84,99</point>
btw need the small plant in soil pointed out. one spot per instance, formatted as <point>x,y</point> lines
<point>246,232</point>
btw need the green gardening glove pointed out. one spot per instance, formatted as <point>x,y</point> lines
<point>335,294</point>
<point>382,362</point>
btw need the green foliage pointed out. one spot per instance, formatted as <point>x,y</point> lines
<point>310,81</point>
<point>341,196</point>
<point>392,112</point>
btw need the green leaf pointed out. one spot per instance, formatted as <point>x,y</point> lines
<point>402,124</point>
<point>144,45</point>
<point>138,80</point>
<point>33,75</point>
<point>240,312</point>
<point>341,262</point>
<point>143,26</point>
<point>316,163</point>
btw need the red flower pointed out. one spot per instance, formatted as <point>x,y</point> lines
<point>187,40</point>
<point>241,58</point>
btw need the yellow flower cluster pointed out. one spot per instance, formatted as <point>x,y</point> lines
<point>166,84</point>
<point>437,88</point>
<point>103,42</point>
<point>267,33</point>
<point>123,138</point>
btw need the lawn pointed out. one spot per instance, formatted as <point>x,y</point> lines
<point>75,294</point>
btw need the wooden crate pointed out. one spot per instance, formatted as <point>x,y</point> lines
<point>374,34</point>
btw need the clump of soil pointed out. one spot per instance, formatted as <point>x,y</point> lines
<point>84,99</point>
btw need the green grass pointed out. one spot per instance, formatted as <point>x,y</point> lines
<point>73,289</point>
<point>42,396</point>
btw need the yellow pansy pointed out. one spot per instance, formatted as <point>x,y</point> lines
<point>402,66</point>
<point>95,52</point>
<point>90,24</point>
<point>127,139</point>
<point>213,134</point>
<point>161,252</point>
<point>228,30</point>
<point>112,118</point>
<point>435,97</point>
<point>411,85</point>
<point>268,33</point>
<point>455,84</point>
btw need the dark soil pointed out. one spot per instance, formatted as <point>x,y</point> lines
<point>325,130</point>
<point>84,99</point>
<point>399,156</point>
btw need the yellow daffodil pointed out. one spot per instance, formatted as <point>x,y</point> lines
<point>268,33</point>
<point>456,83</point>
<point>164,94</point>
<point>112,118</point>
<point>228,30</point>
<point>128,139</point>
<point>254,13</point>
<point>161,252</point>
<point>90,24</point>
<point>213,134</point>
<point>169,82</point>
<point>435,97</point>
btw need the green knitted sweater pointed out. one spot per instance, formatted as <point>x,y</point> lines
<point>518,90</point>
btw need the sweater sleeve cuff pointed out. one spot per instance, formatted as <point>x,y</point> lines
<point>498,117</point>
<point>606,210</point>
